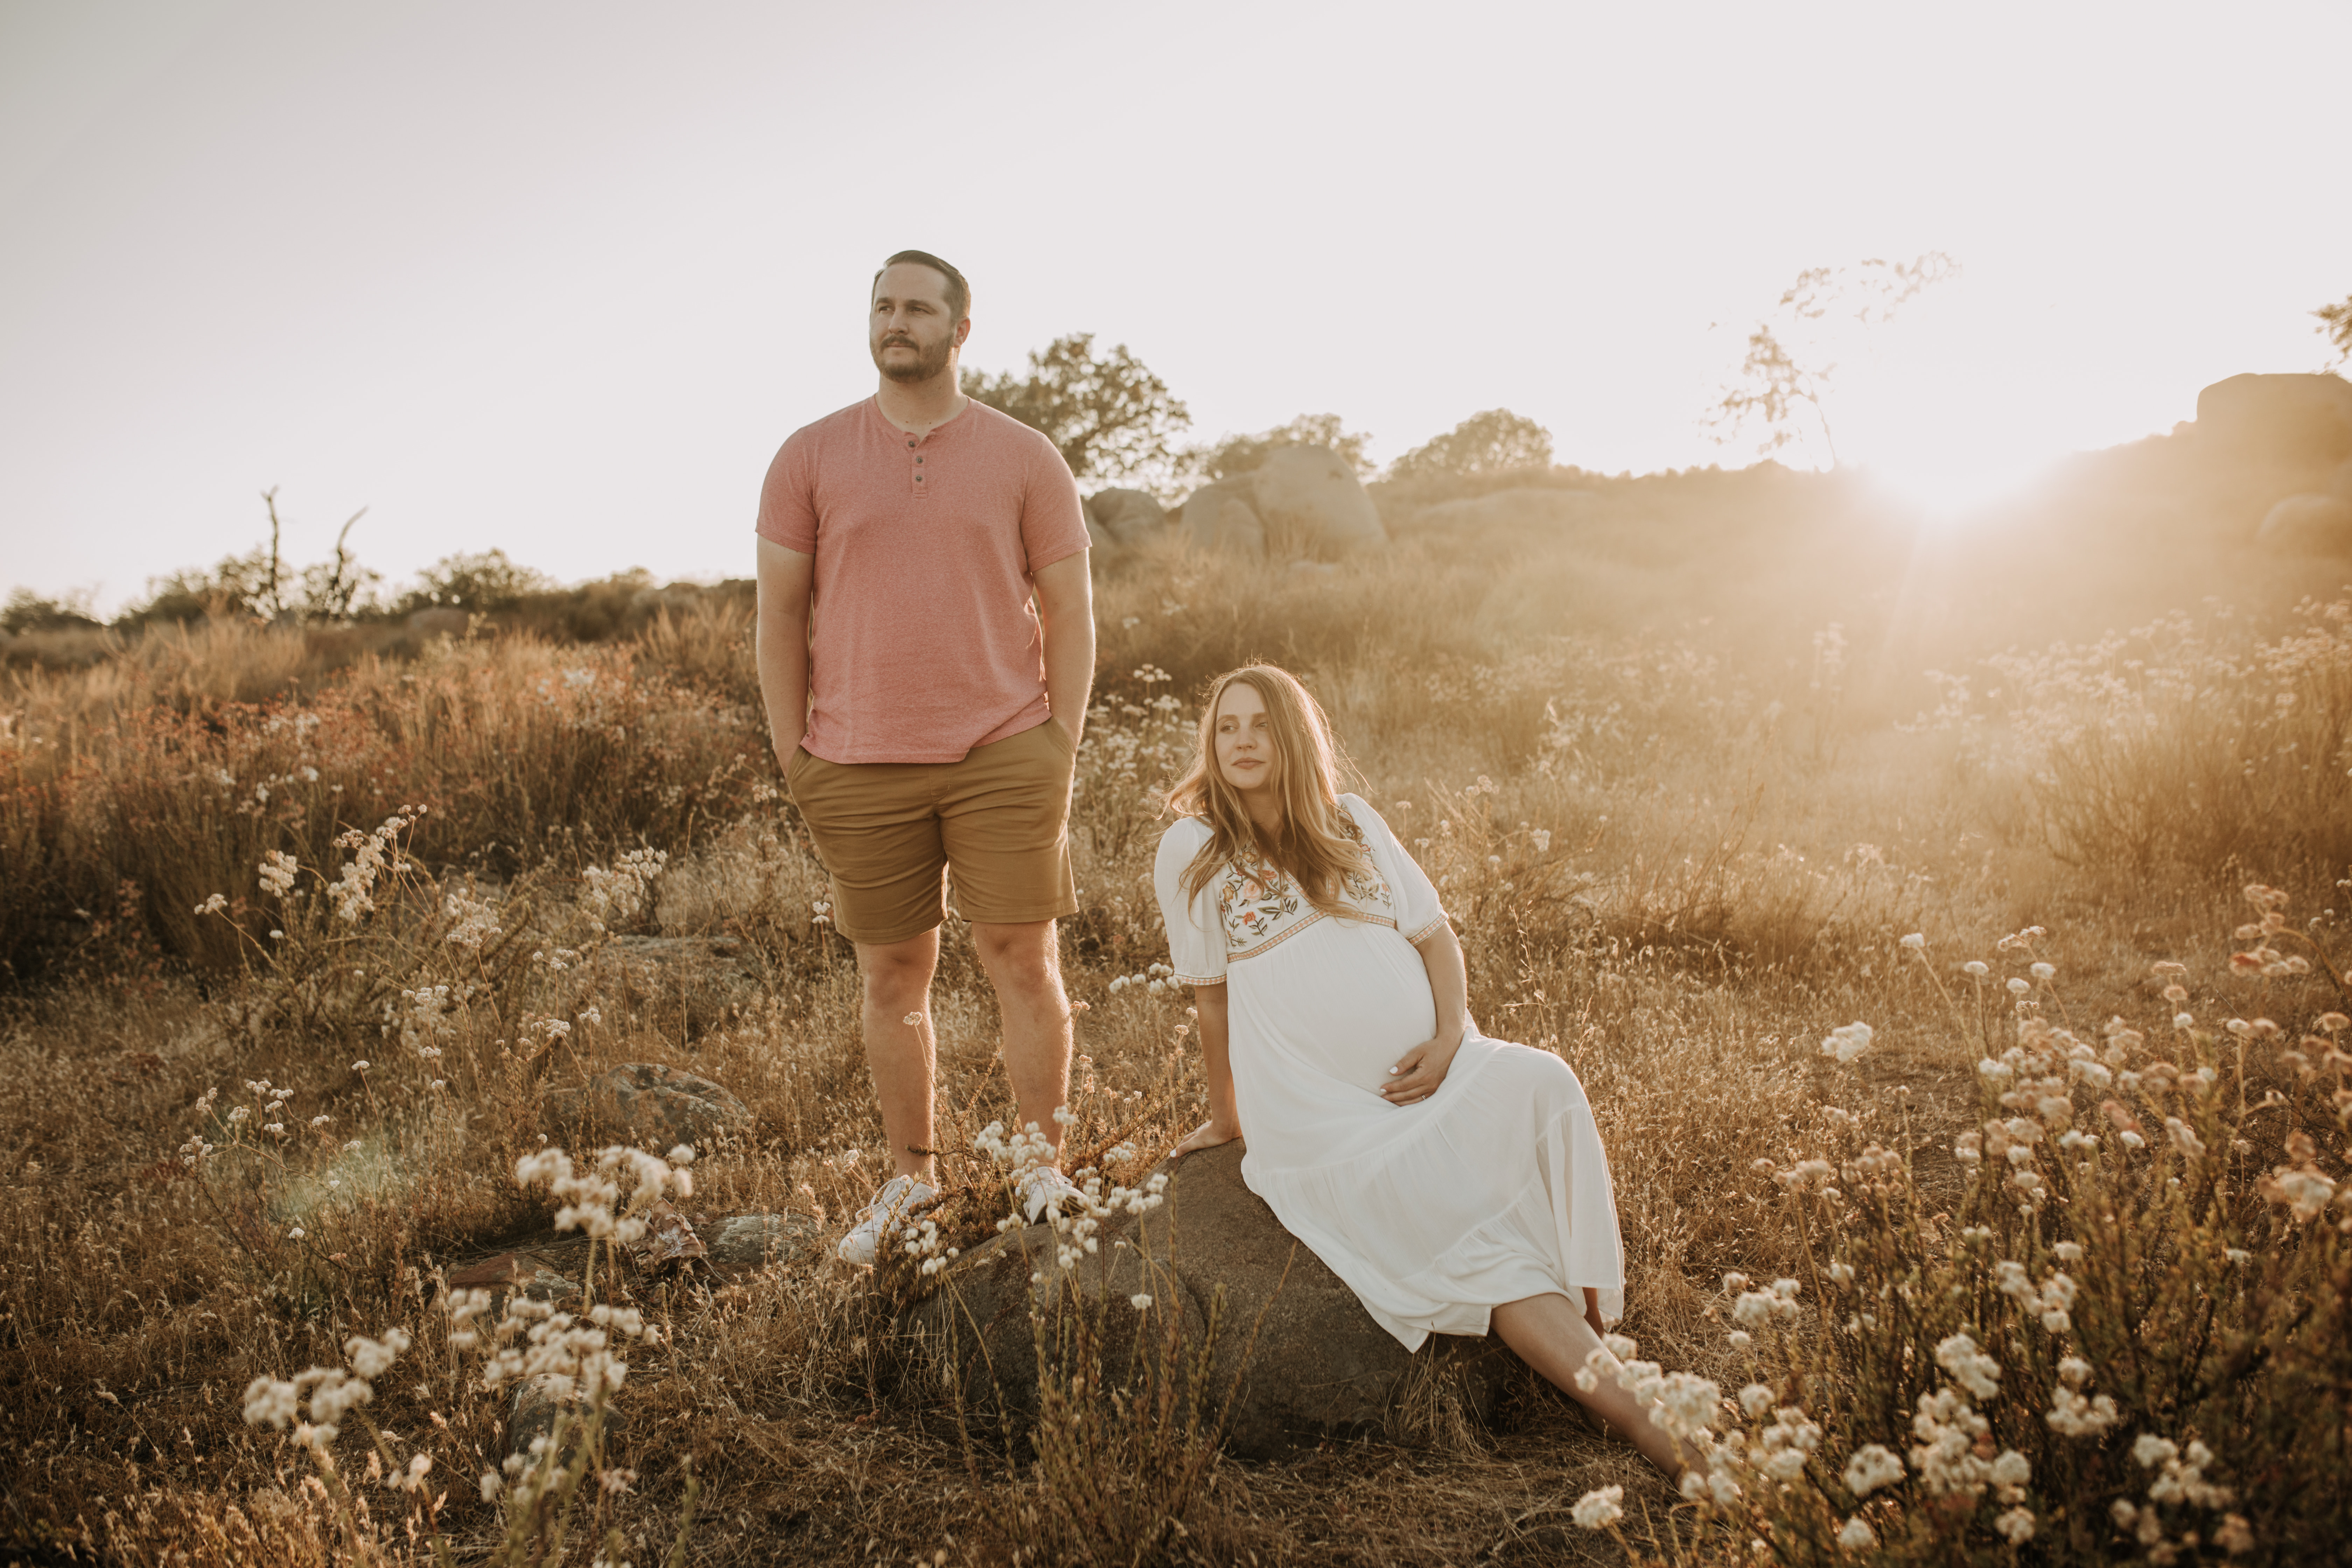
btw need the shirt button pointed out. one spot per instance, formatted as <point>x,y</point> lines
<point>910,443</point>
<point>919,462</point>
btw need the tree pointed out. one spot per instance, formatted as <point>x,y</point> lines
<point>1241,454</point>
<point>483,581</point>
<point>29,612</point>
<point>2335,326</point>
<point>1107,415</point>
<point>1495,442</point>
<point>1776,377</point>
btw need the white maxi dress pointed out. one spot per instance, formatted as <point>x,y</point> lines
<point>1493,1189</point>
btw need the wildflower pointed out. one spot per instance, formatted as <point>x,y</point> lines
<point>296,1234</point>
<point>1847,1043</point>
<point>278,869</point>
<point>1871,1468</point>
<point>213,905</point>
<point>1741,1339</point>
<point>490,1484</point>
<point>2234,1535</point>
<point>1756,1399</point>
<point>2044,971</point>
<point>1138,1301</point>
<point>1856,1536</point>
<point>1598,1509</point>
<point>269,1402</point>
<point>1915,942</point>
<point>2069,1251</point>
<point>1970,1367</point>
<point>1975,969</point>
<point>683,1155</point>
<point>2017,1524</point>
<point>2019,987</point>
<point>1841,1273</point>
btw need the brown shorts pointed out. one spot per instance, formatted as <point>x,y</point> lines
<point>999,819</point>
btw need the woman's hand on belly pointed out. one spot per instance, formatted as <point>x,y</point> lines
<point>1420,1071</point>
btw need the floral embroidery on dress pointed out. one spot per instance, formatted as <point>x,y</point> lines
<point>1259,904</point>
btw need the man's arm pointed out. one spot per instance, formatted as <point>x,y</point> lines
<point>1065,609</point>
<point>783,643</point>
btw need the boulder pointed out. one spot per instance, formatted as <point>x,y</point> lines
<point>1130,517</point>
<point>2277,420</point>
<point>654,1106</point>
<point>1311,503</point>
<point>1311,1362</point>
<point>1220,516</point>
<point>2308,525</point>
<point>752,1241</point>
<point>1100,540</point>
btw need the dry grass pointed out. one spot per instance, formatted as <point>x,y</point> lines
<point>1671,814</point>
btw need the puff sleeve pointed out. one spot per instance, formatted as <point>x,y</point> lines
<point>1419,914</point>
<point>1196,940</point>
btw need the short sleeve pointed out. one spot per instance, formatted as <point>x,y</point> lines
<point>787,506</point>
<point>1196,940</point>
<point>1419,914</point>
<point>1052,518</point>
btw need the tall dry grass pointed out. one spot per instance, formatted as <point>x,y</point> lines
<point>1679,835</point>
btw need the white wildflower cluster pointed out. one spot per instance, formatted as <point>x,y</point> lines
<point>2051,1301</point>
<point>2180,1479</point>
<point>216,904</point>
<point>1755,1309</point>
<point>2072,1413</point>
<point>2305,1190</point>
<point>1598,1509</point>
<point>2263,959</point>
<point>1872,1467</point>
<point>374,856</point>
<point>1946,1460</point>
<point>334,1391</point>
<point>1158,978</point>
<point>278,870</point>
<point>1968,1366</point>
<point>1847,1043</point>
<point>1079,1219</point>
<point>618,894</point>
<point>472,922</point>
<point>588,1195</point>
<point>576,1354</point>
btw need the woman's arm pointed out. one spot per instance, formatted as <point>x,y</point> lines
<point>1421,1069</point>
<point>1224,1123</point>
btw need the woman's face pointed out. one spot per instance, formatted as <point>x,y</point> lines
<point>1246,757</point>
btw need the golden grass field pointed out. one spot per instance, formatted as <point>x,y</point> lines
<point>1671,748</point>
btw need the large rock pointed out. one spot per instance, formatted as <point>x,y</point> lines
<point>1128,517</point>
<point>2277,420</point>
<point>2308,525</point>
<point>1220,516</point>
<point>1311,503</point>
<point>751,1241</point>
<point>654,1106</point>
<point>1312,1364</point>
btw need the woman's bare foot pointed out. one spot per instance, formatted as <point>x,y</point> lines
<point>1554,1338</point>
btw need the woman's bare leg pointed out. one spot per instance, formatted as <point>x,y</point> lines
<point>1554,1338</point>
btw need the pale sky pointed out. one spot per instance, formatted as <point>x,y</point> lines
<point>560,276</point>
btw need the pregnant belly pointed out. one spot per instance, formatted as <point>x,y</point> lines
<point>1342,999</point>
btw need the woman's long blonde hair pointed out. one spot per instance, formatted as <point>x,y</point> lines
<point>1314,845</point>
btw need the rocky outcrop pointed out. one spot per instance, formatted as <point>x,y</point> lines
<point>1304,1360</point>
<point>2295,420</point>
<point>652,1106</point>
<point>1311,503</point>
<point>1220,516</point>
<point>750,1242</point>
<point>2308,525</point>
<point>1125,517</point>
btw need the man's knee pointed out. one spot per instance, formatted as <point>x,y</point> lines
<point>895,971</point>
<point>1019,957</point>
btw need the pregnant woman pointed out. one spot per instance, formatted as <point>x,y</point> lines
<point>1454,1182</point>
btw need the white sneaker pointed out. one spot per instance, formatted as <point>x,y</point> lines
<point>901,1197</point>
<point>1043,1191</point>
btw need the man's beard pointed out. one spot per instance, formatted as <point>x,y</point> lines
<point>929,362</point>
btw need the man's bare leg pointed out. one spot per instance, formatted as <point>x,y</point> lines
<point>1554,1338</point>
<point>1023,962</point>
<point>904,1056</point>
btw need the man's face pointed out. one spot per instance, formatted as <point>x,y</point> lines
<point>910,330</point>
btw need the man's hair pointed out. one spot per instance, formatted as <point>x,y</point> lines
<point>959,292</point>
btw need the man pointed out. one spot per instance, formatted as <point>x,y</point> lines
<point>926,714</point>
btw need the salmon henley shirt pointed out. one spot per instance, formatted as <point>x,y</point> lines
<point>924,642</point>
